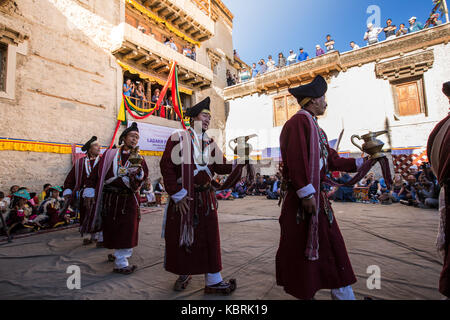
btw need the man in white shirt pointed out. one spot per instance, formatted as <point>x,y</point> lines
<point>371,35</point>
<point>292,57</point>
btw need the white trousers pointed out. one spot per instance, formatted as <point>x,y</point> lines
<point>213,278</point>
<point>345,293</point>
<point>122,256</point>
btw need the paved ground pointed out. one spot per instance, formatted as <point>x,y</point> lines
<point>399,239</point>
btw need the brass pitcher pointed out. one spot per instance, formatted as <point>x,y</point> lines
<point>371,145</point>
<point>135,158</point>
<point>242,148</point>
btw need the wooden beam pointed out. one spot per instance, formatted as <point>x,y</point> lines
<point>181,25</point>
<point>175,19</point>
<point>169,15</point>
<point>131,55</point>
<point>160,11</point>
<point>147,3</point>
<point>143,60</point>
<point>189,29</point>
<point>155,5</point>
<point>195,33</point>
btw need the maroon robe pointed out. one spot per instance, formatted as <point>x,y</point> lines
<point>120,211</point>
<point>77,184</point>
<point>300,276</point>
<point>205,254</point>
<point>444,180</point>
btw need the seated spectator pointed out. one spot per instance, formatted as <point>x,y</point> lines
<point>281,60</point>
<point>255,71</point>
<point>427,194</point>
<point>240,190</point>
<point>20,211</point>
<point>4,204</point>
<point>414,25</point>
<point>329,44</point>
<point>414,170</point>
<point>402,30</point>
<point>230,79</point>
<point>273,192</point>
<point>354,46</point>
<point>193,54</point>
<point>292,57</point>
<point>270,64</point>
<point>319,51</point>
<point>371,35</point>
<point>407,194</point>
<point>147,192</point>
<point>187,52</point>
<point>50,211</point>
<point>128,88</point>
<point>389,30</point>
<point>303,56</point>
<point>245,74</point>
<point>259,188</point>
<point>397,185</point>
<point>43,194</point>
<point>158,189</point>
<point>224,195</point>
<point>433,21</point>
<point>262,66</point>
<point>13,190</point>
<point>344,194</point>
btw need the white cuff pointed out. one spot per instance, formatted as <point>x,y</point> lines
<point>306,191</point>
<point>177,197</point>
<point>359,162</point>
<point>67,192</point>
<point>89,193</point>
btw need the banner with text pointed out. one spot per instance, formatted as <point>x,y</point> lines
<point>152,137</point>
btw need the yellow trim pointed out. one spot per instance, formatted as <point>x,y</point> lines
<point>154,17</point>
<point>147,76</point>
<point>151,153</point>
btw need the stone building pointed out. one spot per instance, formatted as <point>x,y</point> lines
<point>398,82</point>
<point>63,65</point>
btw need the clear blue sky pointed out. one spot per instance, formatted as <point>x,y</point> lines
<point>263,27</point>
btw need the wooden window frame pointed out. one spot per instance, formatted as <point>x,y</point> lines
<point>285,97</point>
<point>421,90</point>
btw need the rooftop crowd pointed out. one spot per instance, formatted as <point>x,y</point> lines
<point>371,36</point>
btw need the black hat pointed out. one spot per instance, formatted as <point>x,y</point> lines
<point>131,128</point>
<point>199,107</point>
<point>87,145</point>
<point>317,88</point>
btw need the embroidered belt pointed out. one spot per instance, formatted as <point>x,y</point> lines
<point>120,191</point>
<point>202,188</point>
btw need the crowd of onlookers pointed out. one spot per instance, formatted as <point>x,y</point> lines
<point>391,31</point>
<point>418,188</point>
<point>23,210</point>
<point>188,51</point>
<point>268,186</point>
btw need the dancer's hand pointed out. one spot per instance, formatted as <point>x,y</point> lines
<point>183,205</point>
<point>309,205</point>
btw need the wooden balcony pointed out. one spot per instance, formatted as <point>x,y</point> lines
<point>147,54</point>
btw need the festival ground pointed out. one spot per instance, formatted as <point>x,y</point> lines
<point>398,239</point>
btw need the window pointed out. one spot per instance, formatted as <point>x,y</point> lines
<point>3,65</point>
<point>409,96</point>
<point>284,107</point>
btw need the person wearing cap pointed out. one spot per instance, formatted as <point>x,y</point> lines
<point>302,56</point>
<point>49,211</point>
<point>292,58</point>
<point>319,51</point>
<point>414,25</point>
<point>20,210</point>
<point>76,182</point>
<point>112,196</point>
<point>190,226</point>
<point>371,35</point>
<point>438,152</point>
<point>302,266</point>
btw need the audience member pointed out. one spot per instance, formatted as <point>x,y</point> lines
<point>414,25</point>
<point>371,35</point>
<point>230,79</point>
<point>433,21</point>
<point>270,64</point>
<point>193,53</point>
<point>302,56</point>
<point>397,185</point>
<point>319,51</point>
<point>389,30</point>
<point>329,44</point>
<point>402,30</point>
<point>245,74</point>
<point>407,194</point>
<point>354,46</point>
<point>281,60</point>
<point>43,194</point>
<point>187,52</point>
<point>255,71</point>
<point>128,88</point>
<point>263,67</point>
<point>292,58</point>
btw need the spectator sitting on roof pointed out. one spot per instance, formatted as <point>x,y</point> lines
<point>354,45</point>
<point>414,25</point>
<point>319,51</point>
<point>371,35</point>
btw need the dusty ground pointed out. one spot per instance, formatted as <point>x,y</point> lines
<point>399,239</point>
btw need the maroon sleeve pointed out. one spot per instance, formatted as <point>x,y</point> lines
<point>336,163</point>
<point>168,169</point>
<point>70,181</point>
<point>294,143</point>
<point>92,180</point>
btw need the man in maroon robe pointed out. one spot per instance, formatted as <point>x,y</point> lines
<point>190,226</point>
<point>114,185</point>
<point>75,184</point>
<point>311,254</point>
<point>438,150</point>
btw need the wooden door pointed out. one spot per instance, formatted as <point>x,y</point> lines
<point>292,106</point>
<point>408,99</point>
<point>279,111</point>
